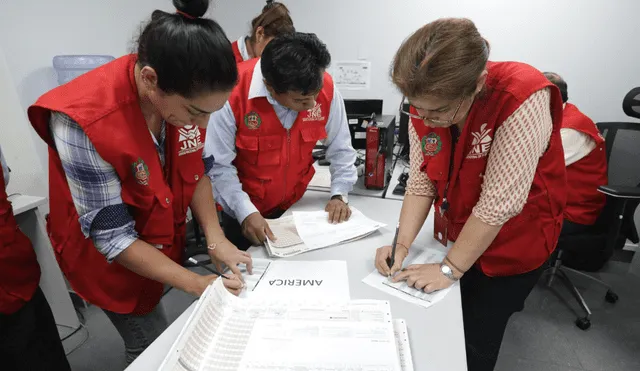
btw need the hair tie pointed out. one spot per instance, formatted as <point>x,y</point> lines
<point>186,15</point>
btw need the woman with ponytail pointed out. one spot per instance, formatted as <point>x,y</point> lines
<point>126,161</point>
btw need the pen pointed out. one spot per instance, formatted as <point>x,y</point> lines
<point>392,259</point>
<point>199,264</point>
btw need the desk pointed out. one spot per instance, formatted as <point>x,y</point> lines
<point>52,283</point>
<point>436,333</point>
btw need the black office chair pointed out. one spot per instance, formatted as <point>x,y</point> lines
<point>616,222</point>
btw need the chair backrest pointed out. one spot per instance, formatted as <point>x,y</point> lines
<point>631,103</point>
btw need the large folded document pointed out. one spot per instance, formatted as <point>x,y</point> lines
<point>311,230</point>
<point>227,333</point>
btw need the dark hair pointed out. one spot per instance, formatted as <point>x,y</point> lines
<point>191,55</point>
<point>558,81</point>
<point>274,19</point>
<point>295,62</point>
<point>443,58</point>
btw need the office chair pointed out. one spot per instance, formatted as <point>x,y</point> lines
<point>616,222</point>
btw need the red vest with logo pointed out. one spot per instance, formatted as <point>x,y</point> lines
<point>584,202</point>
<point>104,102</point>
<point>19,269</point>
<point>526,241</point>
<point>275,165</point>
<point>236,52</point>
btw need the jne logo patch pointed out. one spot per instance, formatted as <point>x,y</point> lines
<point>481,143</point>
<point>190,140</point>
<point>431,144</point>
<point>314,114</point>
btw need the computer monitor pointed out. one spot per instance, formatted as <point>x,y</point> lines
<point>363,107</point>
<point>403,131</point>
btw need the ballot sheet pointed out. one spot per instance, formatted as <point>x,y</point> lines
<point>227,333</point>
<point>417,255</point>
<point>306,231</point>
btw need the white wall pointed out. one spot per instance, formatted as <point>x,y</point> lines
<point>592,43</point>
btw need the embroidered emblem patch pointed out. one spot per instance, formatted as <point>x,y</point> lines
<point>190,140</point>
<point>431,144</point>
<point>141,172</point>
<point>481,143</point>
<point>314,114</point>
<point>252,120</point>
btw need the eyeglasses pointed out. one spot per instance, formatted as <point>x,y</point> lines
<point>437,122</point>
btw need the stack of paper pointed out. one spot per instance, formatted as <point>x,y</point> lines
<point>229,333</point>
<point>417,255</point>
<point>321,180</point>
<point>311,230</point>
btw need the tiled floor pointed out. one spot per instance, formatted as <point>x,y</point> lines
<point>543,337</point>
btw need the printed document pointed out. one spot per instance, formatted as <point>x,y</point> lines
<point>227,333</point>
<point>301,279</point>
<point>417,255</point>
<point>402,343</point>
<point>307,231</point>
<point>316,232</point>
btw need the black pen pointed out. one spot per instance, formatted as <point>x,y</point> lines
<point>199,264</point>
<point>392,259</point>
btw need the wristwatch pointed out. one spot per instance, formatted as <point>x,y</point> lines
<point>447,271</point>
<point>342,198</point>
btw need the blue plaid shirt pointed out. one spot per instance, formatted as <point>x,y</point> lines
<point>96,188</point>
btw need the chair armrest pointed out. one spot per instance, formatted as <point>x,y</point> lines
<point>621,191</point>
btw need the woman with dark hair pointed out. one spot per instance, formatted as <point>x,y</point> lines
<point>272,22</point>
<point>126,161</point>
<point>486,152</point>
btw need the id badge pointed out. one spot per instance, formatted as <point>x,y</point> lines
<point>440,223</point>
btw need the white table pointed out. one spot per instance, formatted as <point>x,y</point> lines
<point>52,283</point>
<point>436,333</point>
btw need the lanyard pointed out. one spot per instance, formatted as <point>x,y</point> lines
<point>455,134</point>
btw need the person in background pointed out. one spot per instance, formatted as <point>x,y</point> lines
<point>29,337</point>
<point>272,22</point>
<point>586,161</point>
<point>486,152</point>
<point>262,139</point>
<point>126,162</point>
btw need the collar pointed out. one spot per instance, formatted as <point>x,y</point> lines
<point>242,46</point>
<point>258,89</point>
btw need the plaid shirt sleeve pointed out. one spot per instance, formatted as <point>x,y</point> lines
<point>95,188</point>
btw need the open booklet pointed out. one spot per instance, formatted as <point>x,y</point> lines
<point>310,230</point>
<point>226,333</point>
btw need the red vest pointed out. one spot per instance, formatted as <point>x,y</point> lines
<point>526,241</point>
<point>584,202</point>
<point>236,52</point>
<point>19,269</point>
<point>104,102</point>
<point>275,165</point>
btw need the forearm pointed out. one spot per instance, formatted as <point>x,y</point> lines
<point>415,210</point>
<point>474,240</point>
<point>204,210</point>
<point>147,261</point>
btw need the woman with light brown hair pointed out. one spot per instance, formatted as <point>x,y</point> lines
<point>272,22</point>
<point>486,153</point>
